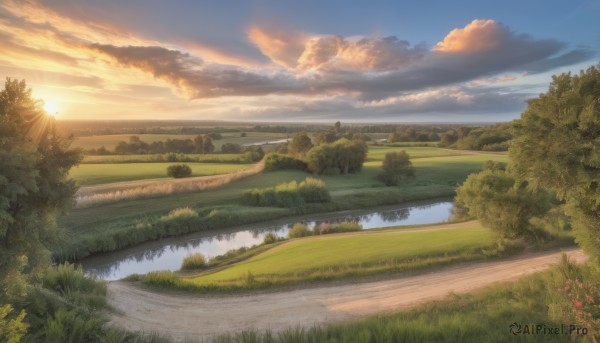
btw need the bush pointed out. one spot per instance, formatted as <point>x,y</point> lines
<point>299,230</point>
<point>275,162</point>
<point>396,167</point>
<point>313,190</point>
<point>270,238</point>
<point>341,157</point>
<point>325,229</point>
<point>289,194</point>
<point>194,261</point>
<point>179,170</point>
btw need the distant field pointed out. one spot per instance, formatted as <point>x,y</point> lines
<point>377,152</point>
<point>147,158</point>
<point>111,141</point>
<point>91,174</point>
<point>340,254</point>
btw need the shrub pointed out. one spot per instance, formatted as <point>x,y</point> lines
<point>325,229</point>
<point>283,162</point>
<point>194,261</point>
<point>289,194</point>
<point>299,230</point>
<point>179,170</point>
<point>341,157</point>
<point>179,213</point>
<point>396,167</point>
<point>313,190</point>
<point>270,238</point>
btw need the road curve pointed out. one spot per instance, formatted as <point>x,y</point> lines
<point>201,316</point>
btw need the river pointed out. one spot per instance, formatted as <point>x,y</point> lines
<point>167,254</point>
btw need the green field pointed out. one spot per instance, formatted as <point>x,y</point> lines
<point>377,152</point>
<point>90,229</point>
<point>351,254</point>
<point>92,174</point>
<point>111,141</point>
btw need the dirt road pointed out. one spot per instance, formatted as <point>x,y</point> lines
<point>201,316</point>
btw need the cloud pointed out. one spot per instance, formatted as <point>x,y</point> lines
<point>193,78</point>
<point>281,46</point>
<point>477,36</point>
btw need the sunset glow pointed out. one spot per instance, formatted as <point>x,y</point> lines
<point>386,61</point>
<point>51,108</point>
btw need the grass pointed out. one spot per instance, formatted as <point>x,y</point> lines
<point>377,152</point>
<point>484,316</point>
<point>93,174</point>
<point>95,229</point>
<point>343,255</point>
<point>111,141</point>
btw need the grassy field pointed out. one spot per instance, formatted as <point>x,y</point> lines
<point>97,228</point>
<point>91,174</point>
<point>362,253</point>
<point>377,152</point>
<point>111,141</point>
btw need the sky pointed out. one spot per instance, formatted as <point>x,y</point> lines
<point>295,61</point>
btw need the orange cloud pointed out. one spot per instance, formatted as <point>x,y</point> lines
<point>282,47</point>
<point>478,36</point>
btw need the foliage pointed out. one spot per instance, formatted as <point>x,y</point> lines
<point>299,230</point>
<point>325,229</point>
<point>11,330</point>
<point>179,170</point>
<point>231,148</point>
<point>194,261</point>
<point>500,203</point>
<point>341,157</point>
<point>282,162</point>
<point>34,185</point>
<point>557,147</point>
<point>300,144</point>
<point>201,144</point>
<point>396,167</point>
<point>489,138</point>
<point>270,238</point>
<point>292,194</point>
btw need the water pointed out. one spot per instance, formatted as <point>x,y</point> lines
<point>167,254</point>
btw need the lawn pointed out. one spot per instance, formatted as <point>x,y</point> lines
<point>352,254</point>
<point>377,152</point>
<point>91,174</point>
<point>151,158</point>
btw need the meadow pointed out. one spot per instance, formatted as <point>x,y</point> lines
<point>93,174</point>
<point>112,226</point>
<point>337,256</point>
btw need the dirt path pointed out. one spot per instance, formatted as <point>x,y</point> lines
<point>197,316</point>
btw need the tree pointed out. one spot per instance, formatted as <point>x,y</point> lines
<point>179,170</point>
<point>300,144</point>
<point>325,137</point>
<point>207,145</point>
<point>396,167</point>
<point>501,203</point>
<point>341,157</point>
<point>35,162</point>
<point>231,148</point>
<point>556,145</point>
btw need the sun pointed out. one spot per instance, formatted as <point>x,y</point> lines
<point>50,108</point>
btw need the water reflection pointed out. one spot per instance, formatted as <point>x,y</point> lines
<point>168,253</point>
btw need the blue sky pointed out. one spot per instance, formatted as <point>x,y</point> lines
<point>387,61</point>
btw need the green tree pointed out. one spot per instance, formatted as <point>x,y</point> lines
<point>501,203</point>
<point>207,145</point>
<point>325,137</point>
<point>396,167</point>
<point>556,145</point>
<point>179,170</point>
<point>341,157</point>
<point>300,144</point>
<point>35,161</point>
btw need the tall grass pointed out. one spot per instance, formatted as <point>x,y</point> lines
<point>291,194</point>
<point>166,188</point>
